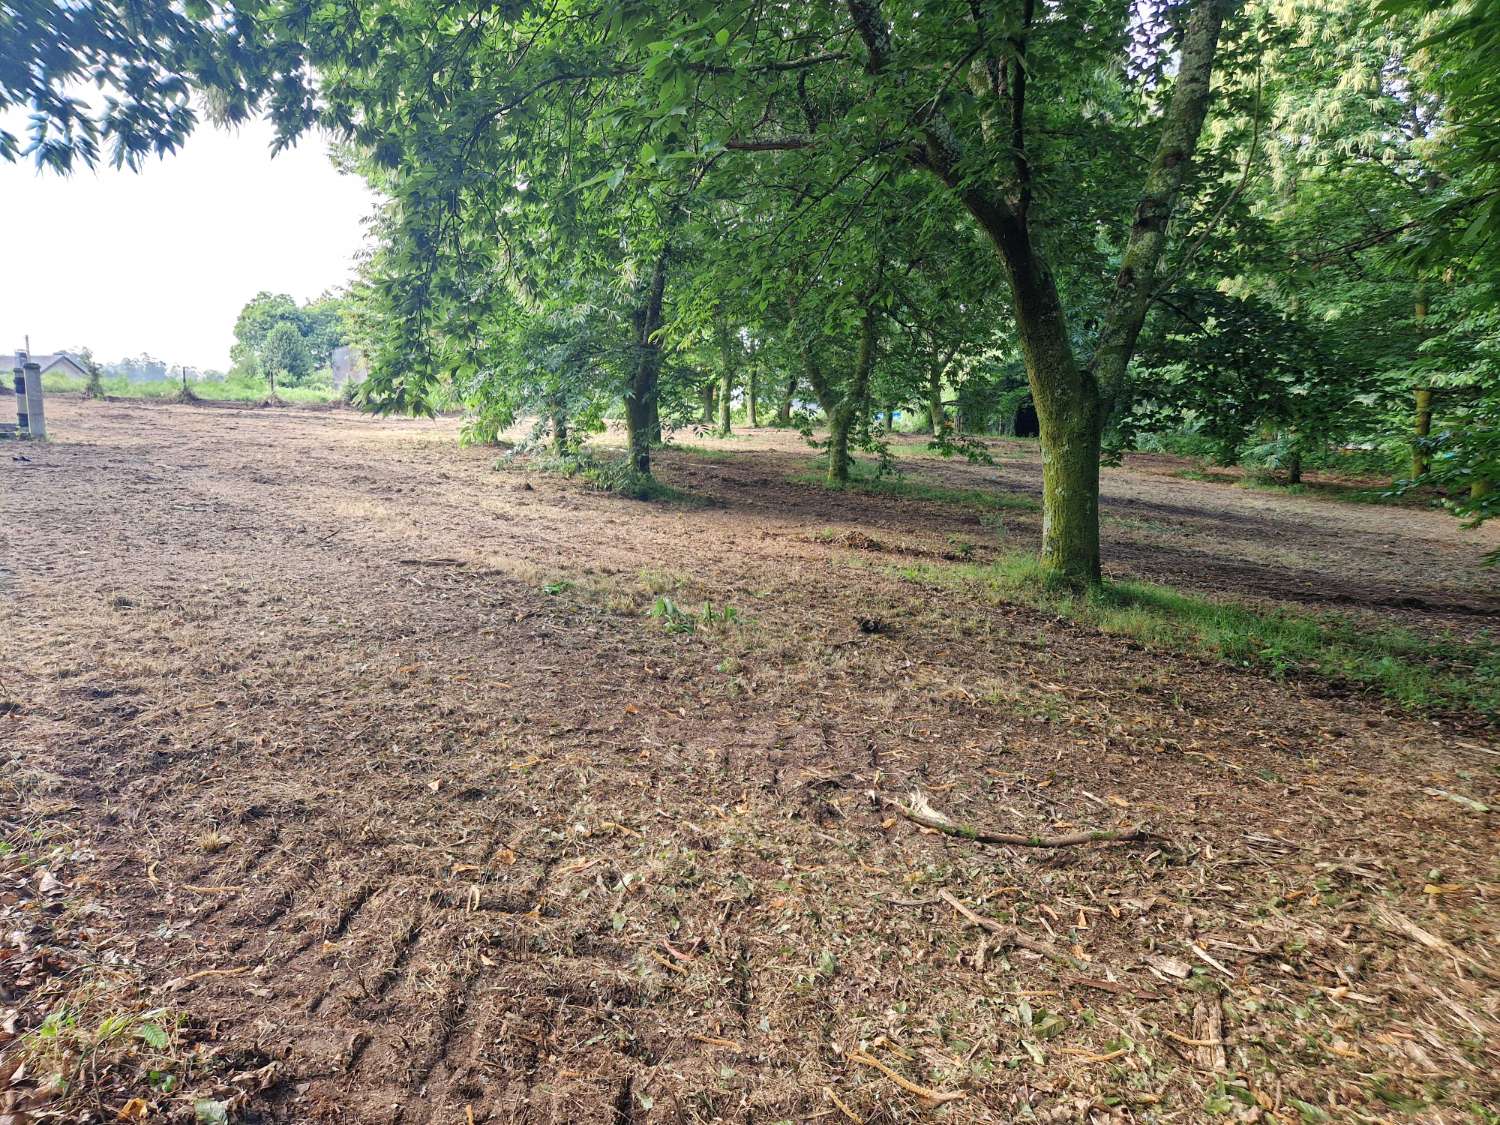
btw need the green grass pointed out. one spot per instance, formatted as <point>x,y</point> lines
<point>228,390</point>
<point>1416,672</point>
<point>982,499</point>
<point>707,453</point>
<point>1343,493</point>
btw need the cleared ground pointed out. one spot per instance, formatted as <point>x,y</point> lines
<point>365,761</point>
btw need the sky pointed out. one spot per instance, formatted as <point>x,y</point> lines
<point>162,260</point>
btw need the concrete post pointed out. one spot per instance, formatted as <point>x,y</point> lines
<point>36,422</point>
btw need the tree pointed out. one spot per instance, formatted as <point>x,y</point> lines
<point>322,326</point>
<point>283,354</point>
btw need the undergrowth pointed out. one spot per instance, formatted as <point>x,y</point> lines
<point>1416,672</point>
<point>863,480</point>
<point>615,475</point>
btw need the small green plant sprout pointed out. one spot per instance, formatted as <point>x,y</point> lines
<point>725,616</point>
<point>560,586</point>
<point>674,618</point>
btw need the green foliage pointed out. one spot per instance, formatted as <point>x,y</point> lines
<point>273,335</point>
<point>676,619</point>
<point>1235,367</point>
<point>284,354</point>
<point>1421,674</point>
<point>615,475</point>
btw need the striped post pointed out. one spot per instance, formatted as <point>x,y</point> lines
<point>22,423</point>
<point>36,422</point>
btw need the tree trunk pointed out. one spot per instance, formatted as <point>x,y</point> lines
<point>1421,460</point>
<point>559,431</point>
<point>842,417</point>
<point>784,409</point>
<point>751,381</point>
<point>935,417</point>
<point>708,403</point>
<point>729,353</point>
<point>1072,399</point>
<point>1070,430</point>
<point>642,410</point>
<point>1294,467</point>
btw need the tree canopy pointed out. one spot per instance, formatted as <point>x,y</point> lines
<point>1268,224</point>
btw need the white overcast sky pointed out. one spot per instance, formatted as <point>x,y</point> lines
<point>161,260</point>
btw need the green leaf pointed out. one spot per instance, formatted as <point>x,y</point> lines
<point>153,1035</point>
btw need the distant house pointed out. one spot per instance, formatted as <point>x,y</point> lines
<point>59,364</point>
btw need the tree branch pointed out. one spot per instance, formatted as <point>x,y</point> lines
<point>768,144</point>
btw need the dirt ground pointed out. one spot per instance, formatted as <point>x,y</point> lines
<point>359,769</point>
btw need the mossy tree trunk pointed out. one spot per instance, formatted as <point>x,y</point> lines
<point>729,351</point>
<point>1072,398</point>
<point>845,413</point>
<point>642,410</point>
<point>1421,460</point>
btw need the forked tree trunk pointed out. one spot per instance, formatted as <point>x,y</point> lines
<point>1072,399</point>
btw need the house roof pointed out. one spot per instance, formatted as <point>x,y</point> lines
<point>45,362</point>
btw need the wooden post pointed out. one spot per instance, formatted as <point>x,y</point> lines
<point>36,422</point>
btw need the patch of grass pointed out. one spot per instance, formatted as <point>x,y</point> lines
<point>1418,673</point>
<point>706,452</point>
<point>982,499</point>
<point>1342,493</point>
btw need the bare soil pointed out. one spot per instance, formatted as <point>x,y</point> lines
<point>366,762</point>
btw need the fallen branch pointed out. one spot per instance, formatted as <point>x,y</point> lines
<point>1010,936</point>
<point>1458,799</point>
<point>920,812</point>
<point>906,1084</point>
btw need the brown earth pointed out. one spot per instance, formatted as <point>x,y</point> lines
<point>365,763</point>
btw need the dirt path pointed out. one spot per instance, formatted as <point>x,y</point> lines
<point>366,759</point>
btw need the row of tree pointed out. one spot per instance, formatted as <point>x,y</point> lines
<point>1274,222</point>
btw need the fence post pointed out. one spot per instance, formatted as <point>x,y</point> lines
<point>36,420</point>
<point>22,426</point>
